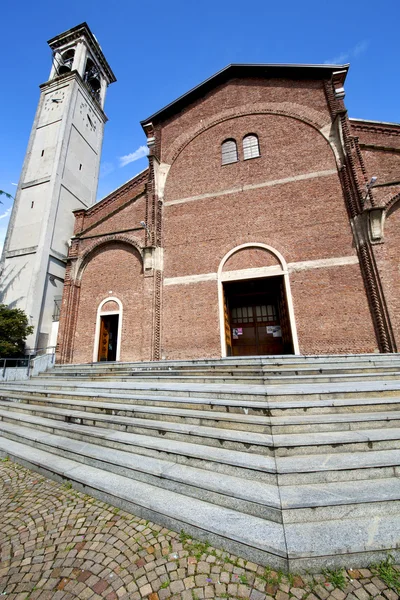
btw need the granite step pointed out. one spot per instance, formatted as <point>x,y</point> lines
<point>297,544</point>
<point>234,362</point>
<point>304,391</point>
<point>227,371</point>
<point>216,459</point>
<point>241,380</point>
<point>212,436</point>
<point>250,496</point>
<point>292,469</point>
<point>262,408</point>
<point>254,443</point>
<point>241,421</point>
<point>257,539</point>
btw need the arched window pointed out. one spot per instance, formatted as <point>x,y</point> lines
<point>251,148</point>
<point>229,152</point>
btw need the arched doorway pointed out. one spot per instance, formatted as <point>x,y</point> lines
<point>107,345</point>
<point>255,303</point>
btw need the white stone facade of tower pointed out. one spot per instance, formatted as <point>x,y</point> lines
<point>59,175</point>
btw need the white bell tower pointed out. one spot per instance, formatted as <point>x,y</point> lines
<point>59,175</point>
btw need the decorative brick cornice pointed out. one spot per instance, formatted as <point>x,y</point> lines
<point>352,174</point>
<point>376,128</point>
<point>129,186</point>
<point>110,213</point>
<point>391,203</point>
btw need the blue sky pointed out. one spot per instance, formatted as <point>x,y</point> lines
<point>159,50</point>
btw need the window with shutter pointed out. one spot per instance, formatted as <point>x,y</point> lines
<point>229,152</point>
<point>251,148</point>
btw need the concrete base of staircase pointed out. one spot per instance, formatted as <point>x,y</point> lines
<point>295,472</point>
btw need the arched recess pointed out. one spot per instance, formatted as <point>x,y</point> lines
<point>391,206</point>
<point>89,252</point>
<point>112,267</point>
<point>273,270</point>
<point>102,313</point>
<point>318,121</point>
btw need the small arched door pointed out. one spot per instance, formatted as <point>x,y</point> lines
<point>108,331</point>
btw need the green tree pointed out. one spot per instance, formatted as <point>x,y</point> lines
<point>6,195</point>
<point>14,329</point>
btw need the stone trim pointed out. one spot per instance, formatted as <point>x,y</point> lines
<point>322,263</point>
<point>99,314</point>
<point>254,186</point>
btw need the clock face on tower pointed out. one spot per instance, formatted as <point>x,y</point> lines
<point>89,118</point>
<point>54,100</point>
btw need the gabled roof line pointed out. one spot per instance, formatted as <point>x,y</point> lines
<point>373,122</point>
<point>301,71</point>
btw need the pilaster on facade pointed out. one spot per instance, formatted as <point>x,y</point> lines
<point>367,226</point>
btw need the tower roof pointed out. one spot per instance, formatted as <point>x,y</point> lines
<point>75,33</point>
<point>233,71</point>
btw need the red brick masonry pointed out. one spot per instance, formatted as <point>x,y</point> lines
<point>304,197</point>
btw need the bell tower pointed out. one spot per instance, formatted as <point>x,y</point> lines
<point>59,175</point>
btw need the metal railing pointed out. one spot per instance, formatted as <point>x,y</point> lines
<point>14,363</point>
<point>26,361</point>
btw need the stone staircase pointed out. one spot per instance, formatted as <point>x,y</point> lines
<point>288,461</point>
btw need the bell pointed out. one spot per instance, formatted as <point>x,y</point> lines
<point>66,66</point>
<point>93,80</point>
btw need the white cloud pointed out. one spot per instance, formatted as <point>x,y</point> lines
<point>16,184</point>
<point>129,158</point>
<point>338,60</point>
<point>360,48</point>
<point>343,57</point>
<point>6,213</point>
<point>106,168</point>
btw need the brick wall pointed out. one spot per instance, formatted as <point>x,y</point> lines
<point>290,198</point>
<point>302,215</point>
<point>116,271</point>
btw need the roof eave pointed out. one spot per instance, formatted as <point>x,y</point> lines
<point>231,71</point>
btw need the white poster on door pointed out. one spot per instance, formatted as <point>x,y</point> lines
<point>275,330</point>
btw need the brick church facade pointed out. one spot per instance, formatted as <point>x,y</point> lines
<point>254,230</point>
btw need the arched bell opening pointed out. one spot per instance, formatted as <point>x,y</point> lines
<point>92,78</point>
<point>67,59</point>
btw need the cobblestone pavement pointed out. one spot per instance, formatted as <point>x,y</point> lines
<point>59,544</point>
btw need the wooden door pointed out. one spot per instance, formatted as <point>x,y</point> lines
<point>256,330</point>
<point>228,336</point>
<point>104,339</point>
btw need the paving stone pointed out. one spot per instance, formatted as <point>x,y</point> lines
<point>299,592</point>
<point>76,546</point>
<point>381,585</point>
<point>362,594</point>
<point>372,589</point>
<point>256,595</point>
<point>321,592</point>
<point>390,595</point>
<point>145,590</point>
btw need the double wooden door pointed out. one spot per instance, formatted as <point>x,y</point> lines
<point>256,318</point>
